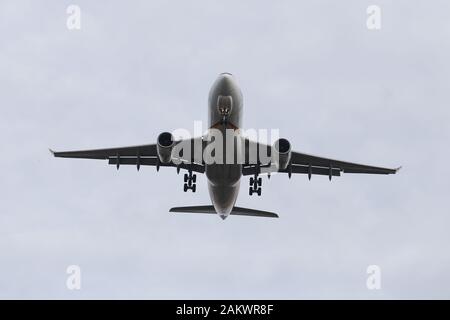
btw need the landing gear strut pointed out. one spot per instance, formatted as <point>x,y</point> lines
<point>189,181</point>
<point>255,185</point>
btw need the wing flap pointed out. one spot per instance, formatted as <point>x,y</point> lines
<point>251,170</point>
<point>154,161</point>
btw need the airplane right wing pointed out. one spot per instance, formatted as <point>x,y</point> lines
<point>148,150</point>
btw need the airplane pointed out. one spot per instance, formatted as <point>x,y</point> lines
<point>225,110</point>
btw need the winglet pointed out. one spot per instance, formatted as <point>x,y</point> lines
<point>51,151</point>
<point>398,169</point>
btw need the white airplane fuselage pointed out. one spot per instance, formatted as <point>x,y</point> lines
<point>225,107</point>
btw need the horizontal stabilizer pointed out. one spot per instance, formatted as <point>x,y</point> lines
<point>237,211</point>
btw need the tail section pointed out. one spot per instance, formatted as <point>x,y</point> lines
<point>237,211</point>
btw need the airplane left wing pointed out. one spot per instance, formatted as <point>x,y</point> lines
<point>303,163</point>
<point>304,159</point>
<point>140,155</point>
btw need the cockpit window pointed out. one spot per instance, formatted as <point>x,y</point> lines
<point>224,104</point>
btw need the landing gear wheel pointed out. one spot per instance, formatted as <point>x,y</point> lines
<point>258,191</point>
<point>193,188</point>
<point>252,181</point>
<point>250,191</point>
<point>194,178</point>
<point>186,177</point>
<point>259,182</point>
<point>185,187</point>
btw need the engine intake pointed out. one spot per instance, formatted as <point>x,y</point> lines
<point>281,155</point>
<point>165,143</point>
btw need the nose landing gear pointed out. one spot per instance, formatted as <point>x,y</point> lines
<point>190,181</point>
<point>255,185</point>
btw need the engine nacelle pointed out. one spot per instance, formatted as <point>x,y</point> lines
<point>165,143</point>
<point>281,153</point>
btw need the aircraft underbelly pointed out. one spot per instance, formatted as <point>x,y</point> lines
<point>223,186</point>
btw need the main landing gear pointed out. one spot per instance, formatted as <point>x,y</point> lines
<point>255,185</point>
<point>189,181</point>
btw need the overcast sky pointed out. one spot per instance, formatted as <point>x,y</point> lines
<point>310,68</point>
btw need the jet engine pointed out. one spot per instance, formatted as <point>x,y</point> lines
<point>165,143</point>
<point>281,153</point>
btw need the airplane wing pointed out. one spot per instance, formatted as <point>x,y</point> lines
<point>148,150</point>
<point>304,159</point>
<point>140,155</point>
<point>303,163</point>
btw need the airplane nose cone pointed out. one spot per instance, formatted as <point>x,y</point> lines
<point>226,81</point>
<point>225,85</point>
<point>223,216</point>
